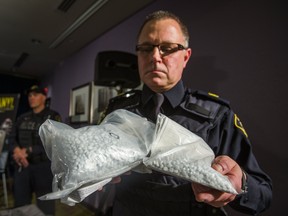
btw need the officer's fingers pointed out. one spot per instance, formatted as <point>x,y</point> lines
<point>223,164</point>
<point>24,162</point>
<point>17,157</point>
<point>201,192</point>
<point>16,150</point>
<point>16,154</point>
<point>230,168</point>
<point>222,200</point>
<point>211,196</point>
<point>24,152</point>
<point>115,180</point>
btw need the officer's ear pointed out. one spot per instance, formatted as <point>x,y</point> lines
<point>188,53</point>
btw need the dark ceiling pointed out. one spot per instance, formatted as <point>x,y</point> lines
<point>36,35</point>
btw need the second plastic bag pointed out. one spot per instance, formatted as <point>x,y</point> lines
<point>179,152</point>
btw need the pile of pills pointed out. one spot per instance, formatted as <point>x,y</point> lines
<point>93,153</point>
<point>199,170</point>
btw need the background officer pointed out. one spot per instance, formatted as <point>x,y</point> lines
<point>33,168</point>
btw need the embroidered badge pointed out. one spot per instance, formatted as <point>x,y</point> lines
<point>239,124</point>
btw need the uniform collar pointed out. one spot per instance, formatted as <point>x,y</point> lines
<point>174,95</point>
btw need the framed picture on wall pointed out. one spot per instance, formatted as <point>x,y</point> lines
<point>80,104</point>
<point>100,99</point>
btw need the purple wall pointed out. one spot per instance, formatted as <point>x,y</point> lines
<point>239,52</point>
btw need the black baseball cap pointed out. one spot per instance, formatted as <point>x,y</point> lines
<point>38,89</point>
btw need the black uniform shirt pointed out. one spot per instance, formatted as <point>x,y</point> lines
<point>172,99</point>
<point>212,119</point>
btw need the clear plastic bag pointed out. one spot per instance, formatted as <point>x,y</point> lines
<point>87,158</point>
<point>179,152</point>
<point>93,154</point>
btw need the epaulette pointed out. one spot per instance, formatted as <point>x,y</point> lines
<point>210,96</point>
<point>206,105</point>
<point>125,100</point>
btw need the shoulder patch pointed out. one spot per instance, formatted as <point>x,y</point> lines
<point>238,124</point>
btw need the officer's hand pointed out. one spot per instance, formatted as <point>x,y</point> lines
<point>115,180</point>
<point>17,154</point>
<point>20,157</point>
<point>226,166</point>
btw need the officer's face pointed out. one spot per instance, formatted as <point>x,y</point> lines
<point>158,71</point>
<point>36,99</point>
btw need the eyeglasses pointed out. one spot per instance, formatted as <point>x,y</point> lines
<point>164,48</point>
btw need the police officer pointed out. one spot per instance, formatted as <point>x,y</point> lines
<point>33,172</point>
<point>163,53</point>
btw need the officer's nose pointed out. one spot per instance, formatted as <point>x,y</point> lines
<point>156,54</point>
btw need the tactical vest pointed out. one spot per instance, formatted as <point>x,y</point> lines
<point>28,131</point>
<point>28,135</point>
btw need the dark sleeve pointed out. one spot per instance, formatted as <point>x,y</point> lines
<point>235,143</point>
<point>14,138</point>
